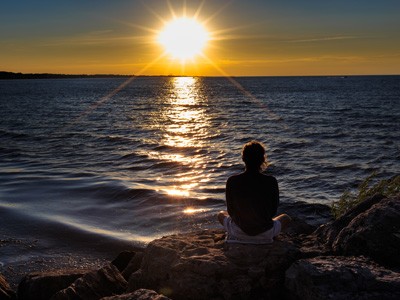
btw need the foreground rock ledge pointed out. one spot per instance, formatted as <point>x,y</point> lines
<point>354,257</point>
<point>202,266</point>
<point>341,278</point>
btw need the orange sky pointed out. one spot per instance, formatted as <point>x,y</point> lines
<point>251,38</point>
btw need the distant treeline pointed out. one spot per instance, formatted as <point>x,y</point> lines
<point>11,75</point>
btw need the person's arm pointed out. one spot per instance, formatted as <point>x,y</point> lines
<point>228,197</point>
<point>275,196</point>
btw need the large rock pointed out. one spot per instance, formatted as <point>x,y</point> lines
<point>133,265</point>
<point>5,290</point>
<point>341,278</point>
<point>374,233</point>
<point>201,266</point>
<point>107,281</point>
<point>123,259</point>
<point>141,294</point>
<point>43,285</point>
<point>327,233</point>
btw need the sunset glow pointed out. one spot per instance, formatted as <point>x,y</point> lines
<point>183,38</point>
<point>201,37</point>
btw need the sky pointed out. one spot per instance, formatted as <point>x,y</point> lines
<point>246,38</point>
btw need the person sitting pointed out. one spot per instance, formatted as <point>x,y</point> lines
<point>252,200</point>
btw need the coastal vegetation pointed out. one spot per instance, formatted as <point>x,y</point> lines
<point>348,200</point>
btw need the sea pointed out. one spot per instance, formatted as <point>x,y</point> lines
<point>91,161</point>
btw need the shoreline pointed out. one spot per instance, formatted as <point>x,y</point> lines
<point>352,256</point>
<point>24,254</point>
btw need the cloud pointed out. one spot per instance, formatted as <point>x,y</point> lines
<point>322,58</point>
<point>324,39</point>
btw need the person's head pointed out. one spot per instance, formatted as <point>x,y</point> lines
<point>253,155</point>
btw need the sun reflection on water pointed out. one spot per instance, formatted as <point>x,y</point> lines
<point>191,210</point>
<point>185,130</point>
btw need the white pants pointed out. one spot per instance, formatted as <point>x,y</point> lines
<point>236,235</point>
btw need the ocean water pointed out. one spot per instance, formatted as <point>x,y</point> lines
<point>135,159</point>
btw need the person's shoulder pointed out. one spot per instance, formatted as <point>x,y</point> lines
<point>235,177</point>
<point>269,178</point>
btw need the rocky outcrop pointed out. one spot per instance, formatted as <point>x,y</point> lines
<point>329,231</point>
<point>107,281</point>
<point>354,257</point>
<point>141,294</point>
<point>5,290</point>
<point>371,229</point>
<point>374,233</point>
<point>341,278</point>
<point>43,285</point>
<point>202,266</point>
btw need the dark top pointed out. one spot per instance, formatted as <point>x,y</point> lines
<point>252,200</point>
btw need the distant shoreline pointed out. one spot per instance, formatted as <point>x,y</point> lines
<point>13,75</point>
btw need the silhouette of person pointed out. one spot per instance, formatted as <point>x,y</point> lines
<point>252,200</point>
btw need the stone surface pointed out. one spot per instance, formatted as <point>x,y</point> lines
<point>201,266</point>
<point>107,281</point>
<point>5,290</point>
<point>313,214</point>
<point>133,265</point>
<point>123,259</point>
<point>341,278</point>
<point>374,233</point>
<point>141,294</point>
<point>43,285</point>
<point>327,233</point>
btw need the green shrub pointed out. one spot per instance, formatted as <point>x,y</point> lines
<point>348,200</point>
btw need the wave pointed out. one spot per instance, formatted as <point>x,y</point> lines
<point>133,155</point>
<point>73,231</point>
<point>178,149</point>
<point>111,192</point>
<point>12,134</point>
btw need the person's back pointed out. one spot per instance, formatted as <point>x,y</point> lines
<point>252,200</point>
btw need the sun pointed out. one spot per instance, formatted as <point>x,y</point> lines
<point>183,38</point>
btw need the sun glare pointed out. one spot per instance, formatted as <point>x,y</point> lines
<point>183,38</point>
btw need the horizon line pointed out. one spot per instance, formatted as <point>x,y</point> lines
<point>18,75</point>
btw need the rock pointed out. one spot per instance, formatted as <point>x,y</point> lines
<point>374,233</point>
<point>200,265</point>
<point>123,259</point>
<point>327,233</point>
<point>298,226</point>
<point>107,281</point>
<point>5,290</point>
<point>141,294</point>
<point>341,278</point>
<point>43,285</point>
<point>133,265</point>
<point>313,214</point>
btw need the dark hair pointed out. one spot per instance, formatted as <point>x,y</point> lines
<point>253,155</point>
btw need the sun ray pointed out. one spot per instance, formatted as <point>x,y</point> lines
<point>105,98</point>
<point>153,12</point>
<point>214,15</point>
<point>197,13</point>
<point>216,35</point>
<point>249,95</point>
<point>184,8</point>
<point>171,9</point>
<point>148,29</point>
